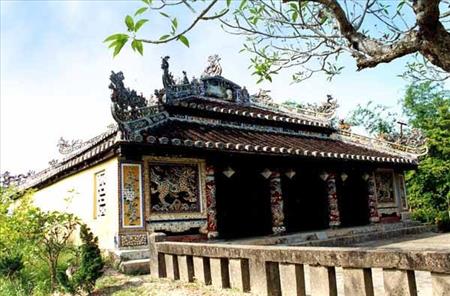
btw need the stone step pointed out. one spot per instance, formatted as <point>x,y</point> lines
<point>350,240</point>
<point>133,254</point>
<point>134,267</point>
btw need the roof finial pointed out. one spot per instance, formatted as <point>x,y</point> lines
<point>213,68</point>
<point>167,77</point>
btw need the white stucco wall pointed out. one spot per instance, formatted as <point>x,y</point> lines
<point>75,194</point>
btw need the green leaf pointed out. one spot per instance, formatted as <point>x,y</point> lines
<point>164,37</point>
<point>164,14</point>
<point>130,23</point>
<point>137,45</point>
<point>228,3</point>
<point>184,40</point>
<point>119,45</point>
<point>114,37</point>
<point>294,16</point>
<point>140,47</point>
<point>175,22</point>
<point>140,11</point>
<point>139,24</point>
<point>146,1</point>
<point>243,4</point>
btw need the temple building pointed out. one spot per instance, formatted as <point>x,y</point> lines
<point>203,159</point>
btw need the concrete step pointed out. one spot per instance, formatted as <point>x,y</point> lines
<point>134,267</point>
<point>133,254</point>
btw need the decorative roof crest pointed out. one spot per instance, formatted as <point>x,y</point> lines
<point>214,68</point>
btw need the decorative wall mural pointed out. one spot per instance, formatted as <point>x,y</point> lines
<point>133,240</point>
<point>174,188</point>
<point>333,207</point>
<point>276,201</point>
<point>385,187</point>
<point>131,195</point>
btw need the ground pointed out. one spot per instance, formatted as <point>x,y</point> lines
<point>114,283</point>
<point>117,284</point>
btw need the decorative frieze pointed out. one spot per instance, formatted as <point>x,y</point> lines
<point>211,210</point>
<point>133,239</point>
<point>276,202</point>
<point>333,206</point>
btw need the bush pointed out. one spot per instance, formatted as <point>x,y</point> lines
<point>86,268</point>
<point>443,221</point>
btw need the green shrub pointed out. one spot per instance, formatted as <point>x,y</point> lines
<point>84,270</point>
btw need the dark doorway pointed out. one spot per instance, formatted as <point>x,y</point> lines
<point>305,201</point>
<point>243,203</point>
<point>352,193</point>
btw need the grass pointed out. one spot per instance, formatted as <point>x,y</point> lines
<point>117,284</point>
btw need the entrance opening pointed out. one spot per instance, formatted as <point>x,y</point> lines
<point>305,201</point>
<point>353,199</point>
<point>243,203</point>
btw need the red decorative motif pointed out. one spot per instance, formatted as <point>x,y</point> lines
<point>211,202</point>
<point>333,207</point>
<point>276,201</point>
<point>374,217</point>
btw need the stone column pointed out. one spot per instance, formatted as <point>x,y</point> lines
<point>372,197</point>
<point>211,202</point>
<point>276,202</point>
<point>333,206</point>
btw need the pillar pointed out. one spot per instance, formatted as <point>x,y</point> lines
<point>358,282</point>
<point>372,197</point>
<point>292,279</point>
<point>333,206</point>
<point>211,202</point>
<point>276,203</point>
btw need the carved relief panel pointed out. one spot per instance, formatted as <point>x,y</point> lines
<point>385,188</point>
<point>175,188</point>
<point>131,195</point>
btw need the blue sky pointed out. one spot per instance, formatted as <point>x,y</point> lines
<point>55,74</point>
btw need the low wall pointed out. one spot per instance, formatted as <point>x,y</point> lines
<point>275,270</point>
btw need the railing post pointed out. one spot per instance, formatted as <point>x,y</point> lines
<point>323,281</point>
<point>258,279</point>
<point>172,270</point>
<point>440,284</point>
<point>358,282</point>
<point>186,268</point>
<point>219,272</point>
<point>239,274</point>
<point>292,279</point>
<point>399,282</point>
<point>202,270</point>
<point>157,264</point>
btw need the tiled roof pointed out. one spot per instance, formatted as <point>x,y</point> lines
<point>208,136</point>
<point>251,111</point>
<point>101,144</point>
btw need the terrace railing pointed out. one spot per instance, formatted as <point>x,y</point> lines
<point>277,270</point>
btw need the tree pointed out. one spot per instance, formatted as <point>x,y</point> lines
<point>55,230</point>
<point>427,107</point>
<point>311,35</point>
